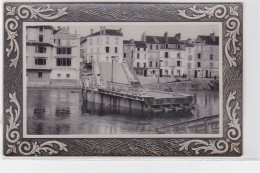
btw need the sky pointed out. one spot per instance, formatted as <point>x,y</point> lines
<point>135,30</point>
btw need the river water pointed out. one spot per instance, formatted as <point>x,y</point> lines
<point>62,111</point>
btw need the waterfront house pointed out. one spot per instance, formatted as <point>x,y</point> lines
<point>52,56</point>
<point>105,45</point>
<point>206,56</point>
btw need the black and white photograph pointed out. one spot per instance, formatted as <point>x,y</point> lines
<point>121,80</point>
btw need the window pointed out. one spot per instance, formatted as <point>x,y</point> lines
<point>67,75</point>
<point>107,40</point>
<point>115,49</point>
<point>54,40</point>
<point>40,61</point>
<point>144,49</point>
<point>58,75</point>
<point>190,57</point>
<point>151,46</point>
<point>179,72</point>
<point>90,41</point>
<point>40,49</point>
<point>199,64</point>
<point>166,46</point>
<point>97,49</point>
<point>178,63</point>
<point>172,72</point>
<point>178,46</point>
<point>157,47</point>
<point>199,55</point>
<point>189,50</point>
<point>166,54</point>
<point>116,40</point>
<point>144,56</point>
<point>179,55</point>
<point>138,55</point>
<point>132,53</point>
<point>40,38</point>
<point>107,49</point>
<point>63,62</point>
<point>189,65</point>
<point>138,49</point>
<point>166,63</point>
<point>211,65</point>
<point>156,64</point>
<point>41,28</point>
<point>39,74</point>
<point>138,64</point>
<point>151,64</point>
<point>211,56</point>
<point>59,41</point>
<point>201,47</point>
<point>211,48</point>
<point>144,64</point>
<point>63,50</point>
<point>124,55</point>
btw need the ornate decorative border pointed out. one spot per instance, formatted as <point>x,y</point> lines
<point>229,145</point>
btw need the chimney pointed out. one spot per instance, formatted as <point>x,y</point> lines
<point>178,36</point>
<point>101,29</point>
<point>104,30</point>
<point>212,36</point>
<point>166,35</point>
<point>143,36</point>
<point>91,31</point>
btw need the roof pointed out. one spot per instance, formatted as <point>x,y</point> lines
<point>140,44</point>
<point>45,26</point>
<point>208,40</point>
<point>38,44</point>
<point>162,40</point>
<point>187,44</point>
<point>109,32</point>
<point>83,39</point>
<point>57,30</point>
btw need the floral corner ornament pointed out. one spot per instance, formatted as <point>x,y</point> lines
<point>216,147</point>
<point>232,23</point>
<point>23,12</point>
<point>24,147</point>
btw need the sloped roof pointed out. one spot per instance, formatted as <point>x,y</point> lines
<point>44,26</point>
<point>55,31</point>
<point>109,32</point>
<point>140,44</point>
<point>83,39</point>
<point>187,44</point>
<point>208,40</point>
<point>162,40</point>
<point>38,44</point>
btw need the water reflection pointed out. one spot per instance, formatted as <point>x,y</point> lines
<point>62,111</point>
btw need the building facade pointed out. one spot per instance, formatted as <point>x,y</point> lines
<point>52,56</point>
<point>105,45</point>
<point>206,56</point>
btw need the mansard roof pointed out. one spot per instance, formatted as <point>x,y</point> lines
<point>108,32</point>
<point>140,44</point>
<point>162,40</point>
<point>208,40</point>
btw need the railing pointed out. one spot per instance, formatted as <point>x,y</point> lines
<point>124,88</point>
<point>205,125</point>
<point>131,70</point>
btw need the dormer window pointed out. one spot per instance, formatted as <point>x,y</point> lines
<point>166,46</point>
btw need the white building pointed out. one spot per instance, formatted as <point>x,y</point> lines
<point>104,45</point>
<point>206,56</point>
<point>52,56</point>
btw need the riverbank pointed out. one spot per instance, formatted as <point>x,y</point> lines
<point>54,86</point>
<point>171,84</point>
